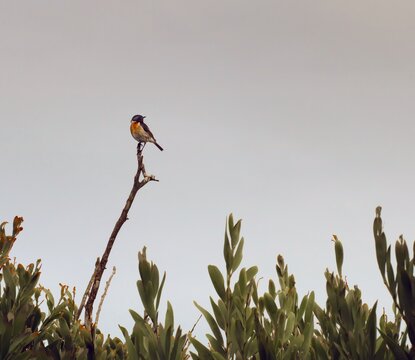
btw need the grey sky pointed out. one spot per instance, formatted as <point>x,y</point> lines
<point>298,116</point>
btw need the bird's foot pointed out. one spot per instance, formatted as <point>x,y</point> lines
<point>139,148</point>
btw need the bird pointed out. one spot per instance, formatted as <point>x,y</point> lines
<point>141,132</point>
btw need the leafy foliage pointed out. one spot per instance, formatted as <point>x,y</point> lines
<point>244,324</point>
<point>26,331</point>
<point>149,338</point>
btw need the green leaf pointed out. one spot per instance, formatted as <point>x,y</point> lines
<point>146,299</point>
<point>169,321</point>
<point>238,255</point>
<point>214,345</point>
<point>289,327</point>
<point>177,345</point>
<point>308,334</point>
<point>160,291</point>
<point>203,352</point>
<point>166,337</point>
<point>370,330</point>
<point>227,253</point>
<point>400,254</point>
<point>238,333</point>
<point>380,242</point>
<point>309,308</point>
<point>380,245</point>
<point>391,284</point>
<point>397,351</point>
<point>143,265</point>
<point>230,221</point>
<point>212,323</point>
<point>19,343</point>
<point>405,294</point>
<point>219,317</point>
<point>10,282</point>
<point>270,305</point>
<point>271,288</point>
<point>251,272</point>
<point>345,314</point>
<point>242,282</point>
<point>338,249</point>
<point>302,308</point>
<point>235,233</point>
<point>217,280</point>
<point>132,353</point>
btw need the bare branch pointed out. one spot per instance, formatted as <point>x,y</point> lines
<point>137,185</point>
<point>107,285</point>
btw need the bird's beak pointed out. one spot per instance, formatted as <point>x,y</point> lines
<point>144,117</point>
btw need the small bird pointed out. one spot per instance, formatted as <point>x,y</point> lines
<point>141,132</point>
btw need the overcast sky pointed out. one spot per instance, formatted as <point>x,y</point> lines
<point>297,116</point>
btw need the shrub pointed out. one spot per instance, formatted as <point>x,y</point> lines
<point>244,324</point>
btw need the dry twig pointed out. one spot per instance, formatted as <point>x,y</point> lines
<point>107,285</point>
<point>137,185</point>
<point>189,334</point>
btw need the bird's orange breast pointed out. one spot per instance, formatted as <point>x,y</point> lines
<point>138,132</point>
<point>134,127</point>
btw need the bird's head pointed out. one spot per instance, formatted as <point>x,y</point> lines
<point>138,118</point>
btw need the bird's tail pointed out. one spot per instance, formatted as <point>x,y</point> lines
<point>158,146</point>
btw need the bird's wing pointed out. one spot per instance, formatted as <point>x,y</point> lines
<point>147,130</point>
